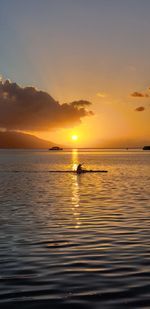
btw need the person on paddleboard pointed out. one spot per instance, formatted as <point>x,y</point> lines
<point>79,169</point>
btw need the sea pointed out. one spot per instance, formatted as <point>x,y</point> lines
<point>74,241</point>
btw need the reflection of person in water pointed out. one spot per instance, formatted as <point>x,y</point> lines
<point>79,169</point>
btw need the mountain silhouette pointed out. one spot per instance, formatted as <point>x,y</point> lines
<point>22,140</point>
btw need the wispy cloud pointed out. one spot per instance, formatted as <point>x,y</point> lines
<point>28,109</point>
<point>101,94</point>
<point>80,103</point>
<point>137,94</point>
<point>140,109</point>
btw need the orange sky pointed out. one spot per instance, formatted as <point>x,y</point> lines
<point>83,50</point>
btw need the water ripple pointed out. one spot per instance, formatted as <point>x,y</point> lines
<point>74,241</point>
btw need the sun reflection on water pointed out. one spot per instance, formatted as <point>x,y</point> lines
<point>75,161</point>
<point>75,190</point>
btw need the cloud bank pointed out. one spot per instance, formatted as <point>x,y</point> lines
<point>28,109</point>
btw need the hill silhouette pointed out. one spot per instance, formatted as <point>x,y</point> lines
<point>22,140</point>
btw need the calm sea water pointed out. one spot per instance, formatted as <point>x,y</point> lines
<point>79,241</point>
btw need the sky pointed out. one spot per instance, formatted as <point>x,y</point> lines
<point>76,68</point>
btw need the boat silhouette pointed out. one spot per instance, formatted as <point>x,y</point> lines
<point>55,148</point>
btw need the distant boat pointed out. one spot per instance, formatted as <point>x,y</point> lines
<point>146,148</point>
<point>55,148</point>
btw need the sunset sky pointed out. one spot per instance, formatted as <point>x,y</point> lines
<point>79,52</point>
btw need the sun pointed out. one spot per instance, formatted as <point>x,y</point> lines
<point>74,137</point>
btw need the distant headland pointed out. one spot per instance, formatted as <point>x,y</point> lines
<point>20,141</point>
<point>146,148</point>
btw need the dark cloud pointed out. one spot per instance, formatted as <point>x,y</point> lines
<point>80,103</point>
<point>140,109</point>
<point>29,109</point>
<point>139,95</point>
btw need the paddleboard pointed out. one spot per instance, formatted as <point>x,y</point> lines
<point>83,172</point>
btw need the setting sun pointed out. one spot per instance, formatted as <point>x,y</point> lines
<point>74,137</point>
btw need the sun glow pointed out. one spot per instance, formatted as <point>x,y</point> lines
<point>74,137</point>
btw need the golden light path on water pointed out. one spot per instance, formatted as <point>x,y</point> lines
<point>75,190</point>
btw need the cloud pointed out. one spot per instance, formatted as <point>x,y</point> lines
<point>140,109</point>
<point>28,109</point>
<point>137,94</point>
<point>101,94</point>
<point>80,103</point>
